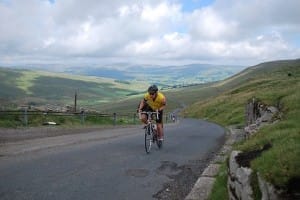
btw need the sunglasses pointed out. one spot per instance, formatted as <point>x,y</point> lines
<point>152,93</point>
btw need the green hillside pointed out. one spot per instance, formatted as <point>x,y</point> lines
<point>185,96</point>
<point>273,83</point>
<point>39,88</point>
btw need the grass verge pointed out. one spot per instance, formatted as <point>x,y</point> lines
<point>278,165</point>
<point>219,190</point>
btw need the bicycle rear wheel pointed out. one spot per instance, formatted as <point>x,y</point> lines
<point>148,138</point>
<point>159,144</point>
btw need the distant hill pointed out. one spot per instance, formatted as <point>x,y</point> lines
<point>97,85</point>
<point>163,75</point>
<point>28,87</point>
<point>124,84</point>
<point>167,76</point>
<point>186,96</point>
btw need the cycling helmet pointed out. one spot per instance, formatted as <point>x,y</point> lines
<point>152,89</point>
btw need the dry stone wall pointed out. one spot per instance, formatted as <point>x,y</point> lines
<point>240,174</point>
<point>258,114</point>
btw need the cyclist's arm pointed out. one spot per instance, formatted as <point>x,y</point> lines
<point>142,104</point>
<point>163,105</point>
<point>162,108</point>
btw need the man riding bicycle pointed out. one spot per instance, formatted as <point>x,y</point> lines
<point>153,101</point>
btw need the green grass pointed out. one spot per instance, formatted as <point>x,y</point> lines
<point>21,87</point>
<point>229,108</point>
<point>17,119</point>
<point>9,90</point>
<point>12,121</point>
<point>277,86</point>
<point>219,190</point>
<point>281,163</point>
<point>26,81</point>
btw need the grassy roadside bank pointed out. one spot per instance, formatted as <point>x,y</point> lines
<point>277,86</point>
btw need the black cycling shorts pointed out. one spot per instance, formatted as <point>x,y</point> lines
<point>147,108</point>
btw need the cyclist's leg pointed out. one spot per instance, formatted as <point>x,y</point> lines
<point>160,130</point>
<point>159,124</point>
<point>144,117</point>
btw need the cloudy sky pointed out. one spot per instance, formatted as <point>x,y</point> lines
<point>78,32</point>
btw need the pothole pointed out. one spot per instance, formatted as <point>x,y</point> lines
<point>168,168</point>
<point>183,178</point>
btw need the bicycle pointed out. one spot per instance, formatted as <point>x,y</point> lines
<point>151,135</point>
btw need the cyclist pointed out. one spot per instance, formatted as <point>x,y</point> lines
<point>153,101</point>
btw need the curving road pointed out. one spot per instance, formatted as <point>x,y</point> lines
<point>113,165</point>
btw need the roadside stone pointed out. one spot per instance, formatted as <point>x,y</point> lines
<point>202,189</point>
<point>211,170</point>
<point>268,191</point>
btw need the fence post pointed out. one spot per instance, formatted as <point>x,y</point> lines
<point>82,117</point>
<point>134,118</point>
<point>115,119</point>
<point>25,117</point>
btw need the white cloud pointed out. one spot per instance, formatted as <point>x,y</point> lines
<point>151,30</point>
<point>48,42</point>
<point>207,24</point>
<point>161,12</point>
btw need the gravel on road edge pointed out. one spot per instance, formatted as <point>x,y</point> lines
<point>20,134</point>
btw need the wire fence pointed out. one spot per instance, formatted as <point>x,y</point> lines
<point>32,118</point>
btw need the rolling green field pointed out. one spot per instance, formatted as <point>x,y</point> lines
<point>26,87</point>
<point>39,88</point>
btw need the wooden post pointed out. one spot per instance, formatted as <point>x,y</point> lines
<point>82,117</point>
<point>134,118</point>
<point>115,119</point>
<point>25,117</point>
<point>75,102</point>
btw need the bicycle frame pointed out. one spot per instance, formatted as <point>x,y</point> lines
<point>149,130</point>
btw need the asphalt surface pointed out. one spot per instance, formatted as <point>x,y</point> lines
<point>109,164</point>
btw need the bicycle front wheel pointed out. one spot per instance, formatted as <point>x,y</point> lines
<point>148,139</point>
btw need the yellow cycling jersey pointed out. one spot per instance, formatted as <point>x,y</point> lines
<point>158,102</point>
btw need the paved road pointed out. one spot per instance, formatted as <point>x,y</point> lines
<point>112,167</point>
